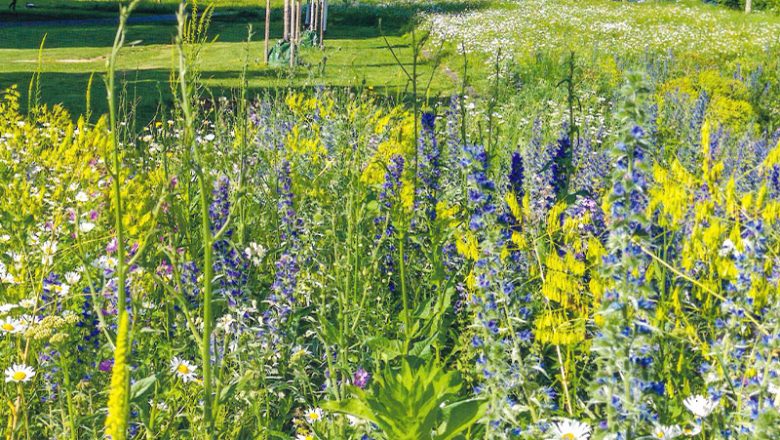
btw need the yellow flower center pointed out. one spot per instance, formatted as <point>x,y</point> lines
<point>568,436</point>
<point>19,376</point>
<point>8,327</point>
<point>660,434</point>
<point>183,369</point>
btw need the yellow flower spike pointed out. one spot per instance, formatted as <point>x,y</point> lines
<point>116,421</point>
<point>732,206</point>
<point>294,101</point>
<point>553,218</point>
<point>554,327</point>
<point>514,206</point>
<point>519,240</point>
<point>747,201</point>
<point>772,159</point>
<point>468,246</point>
<point>760,200</point>
<point>471,281</point>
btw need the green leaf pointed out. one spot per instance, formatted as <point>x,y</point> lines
<point>141,387</point>
<point>227,392</point>
<point>353,407</point>
<point>459,417</point>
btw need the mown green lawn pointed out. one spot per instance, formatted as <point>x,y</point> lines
<point>356,53</point>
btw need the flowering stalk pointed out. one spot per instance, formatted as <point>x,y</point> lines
<point>116,422</point>
<point>183,37</point>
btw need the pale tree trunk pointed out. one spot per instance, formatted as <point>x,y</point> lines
<point>748,6</point>
<point>293,31</point>
<point>286,33</point>
<point>313,16</point>
<point>267,28</point>
<point>323,21</point>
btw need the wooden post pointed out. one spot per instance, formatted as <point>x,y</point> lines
<point>293,31</point>
<point>749,6</point>
<point>267,29</point>
<point>294,21</point>
<point>286,32</point>
<point>323,21</point>
<point>313,10</point>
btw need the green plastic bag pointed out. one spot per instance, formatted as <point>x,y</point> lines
<point>279,54</point>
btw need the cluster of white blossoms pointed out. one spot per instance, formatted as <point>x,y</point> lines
<point>538,25</point>
<point>700,406</point>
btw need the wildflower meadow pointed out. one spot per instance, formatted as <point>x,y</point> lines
<point>563,224</point>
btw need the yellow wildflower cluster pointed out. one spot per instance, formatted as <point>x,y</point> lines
<point>567,267</point>
<point>116,421</point>
<point>393,134</point>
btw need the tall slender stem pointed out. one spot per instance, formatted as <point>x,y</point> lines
<point>206,234</point>
<point>120,356</point>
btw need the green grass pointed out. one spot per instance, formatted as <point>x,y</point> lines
<point>356,54</point>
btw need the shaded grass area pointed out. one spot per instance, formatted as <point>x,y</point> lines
<point>356,53</point>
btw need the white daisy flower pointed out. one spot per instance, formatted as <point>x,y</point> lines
<point>307,436</point>
<point>184,369</point>
<point>27,320</point>
<point>12,326</point>
<point>568,429</point>
<point>82,197</point>
<point>5,308</point>
<point>27,303</point>
<point>255,252</point>
<point>692,430</point>
<point>86,227</point>
<point>313,415</point>
<point>48,249</point>
<point>19,373</point>
<point>700,406</point>
<point>72,277</point>
<point>61,289</point>
<point>666,432</point>
<point>7,278</point>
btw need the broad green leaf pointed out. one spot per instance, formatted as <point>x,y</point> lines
<point>141,387</point>
<point>459,417</point>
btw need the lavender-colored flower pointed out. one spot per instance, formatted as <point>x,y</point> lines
<point>360,378</point>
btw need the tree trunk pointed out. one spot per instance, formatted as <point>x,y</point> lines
<point>267,28</point>
<point>323,21</point>
<point>313,15</point>
<point>748,6</point>
<point>286,32</point>
<point>293,31</point>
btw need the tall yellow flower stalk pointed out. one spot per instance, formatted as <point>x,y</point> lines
<point>116,422</point>
<point>118,405</point>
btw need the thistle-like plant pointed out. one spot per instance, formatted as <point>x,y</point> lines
<point>414,401</point>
